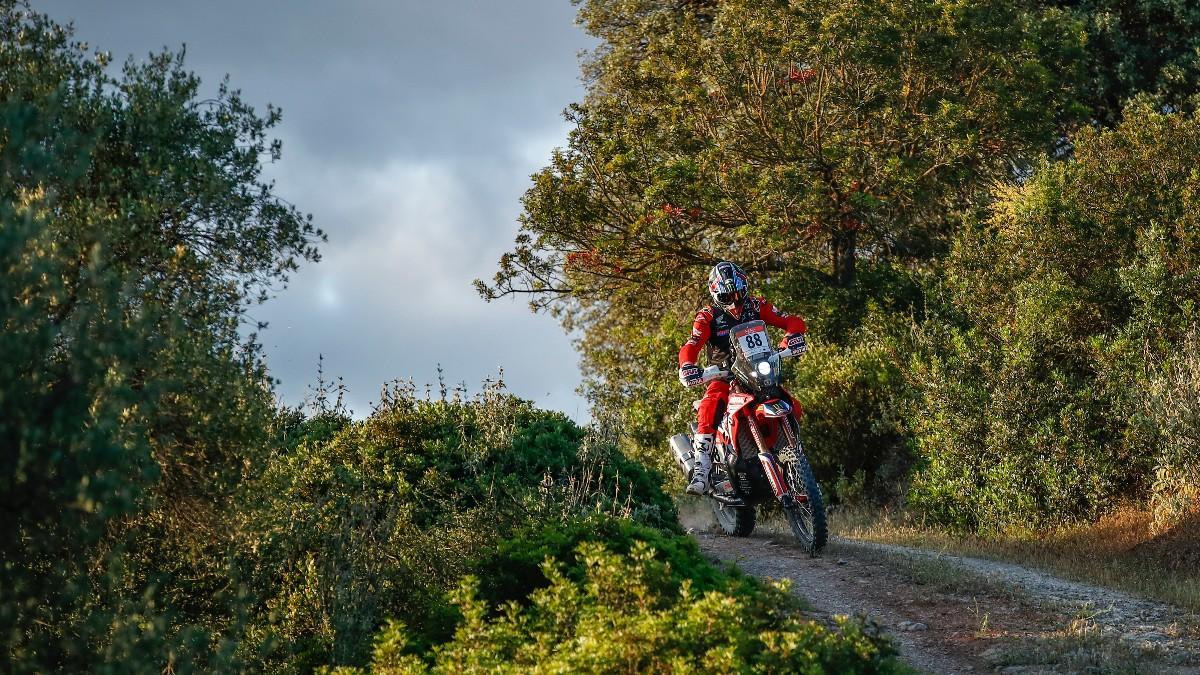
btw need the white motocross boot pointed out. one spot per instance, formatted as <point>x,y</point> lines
<point>702,449</point>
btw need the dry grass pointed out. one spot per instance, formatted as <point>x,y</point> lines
<point>1082,645</point>
<point>1118,551</point>
<point>1074,650</point>
<point>941,575</point>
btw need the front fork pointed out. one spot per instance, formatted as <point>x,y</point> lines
<point>770,466</point>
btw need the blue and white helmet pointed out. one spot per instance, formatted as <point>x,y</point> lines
<point>728,285</point>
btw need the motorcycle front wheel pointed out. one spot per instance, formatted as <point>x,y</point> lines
<point>806,514</point>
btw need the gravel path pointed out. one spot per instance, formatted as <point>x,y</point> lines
<point>845,586</point>
<point>1143,622</point>
<point>950,614</point>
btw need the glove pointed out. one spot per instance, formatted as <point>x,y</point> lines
<point>690,374</point>
<point>797,344</point>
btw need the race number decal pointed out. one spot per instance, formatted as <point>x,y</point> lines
<point>753,341</point>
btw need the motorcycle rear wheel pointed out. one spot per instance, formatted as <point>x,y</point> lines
<point>738,521</point>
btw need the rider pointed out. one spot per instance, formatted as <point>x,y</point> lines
<point>732,305</point>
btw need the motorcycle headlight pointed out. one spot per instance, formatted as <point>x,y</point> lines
<point>764,368</point>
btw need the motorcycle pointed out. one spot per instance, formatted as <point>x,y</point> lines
<point>757,454</point>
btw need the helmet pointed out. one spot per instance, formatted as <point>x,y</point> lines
<point>727,285</point>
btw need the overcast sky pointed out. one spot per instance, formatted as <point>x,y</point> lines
<point>410,129</point>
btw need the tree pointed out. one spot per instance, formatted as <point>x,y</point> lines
<point>806,141</point>
<point>841,127</point>
<point>135,229</point>
<point>1149,47</point>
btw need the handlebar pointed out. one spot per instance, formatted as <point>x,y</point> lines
<point>715,373</point>
<point>712,373</point>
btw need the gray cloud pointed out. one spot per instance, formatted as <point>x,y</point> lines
<point>360,80</point>
<point>410,130</point>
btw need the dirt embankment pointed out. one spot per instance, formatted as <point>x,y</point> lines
<point>950,614</point>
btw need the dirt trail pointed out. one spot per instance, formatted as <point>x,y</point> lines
<point>949,614</point>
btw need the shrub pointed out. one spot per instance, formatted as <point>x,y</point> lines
<point>853,399</point>
<point>629,613</point>
<point>390,512</point>
<point>513,570</point>
<point>1059,308</point>
<point>1173,407</point>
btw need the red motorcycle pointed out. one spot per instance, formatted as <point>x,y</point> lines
<point>758,459</point>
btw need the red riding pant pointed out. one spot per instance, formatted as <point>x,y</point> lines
<point>706,414</point>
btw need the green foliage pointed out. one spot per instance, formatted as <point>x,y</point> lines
<point>384,516</point>
<point>629,391</point>
<point>1146,47</point>
<point>631,613</point>
<point>134,229</point>
<point>513,570</point>
<point>777,133</point>
<point>828,147</point>
<point>855,400</point>
<point>1063,304</point>
<point>1172,407</point>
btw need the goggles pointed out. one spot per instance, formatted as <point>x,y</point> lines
<point>728,298</point>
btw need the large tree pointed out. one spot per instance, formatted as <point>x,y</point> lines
<point>135,230</point>
<point>820,132</point>
<point>806,140</point>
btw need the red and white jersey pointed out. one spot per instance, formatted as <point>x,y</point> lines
<point>711,328</point>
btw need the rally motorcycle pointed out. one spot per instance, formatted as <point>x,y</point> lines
<point>757,455</point>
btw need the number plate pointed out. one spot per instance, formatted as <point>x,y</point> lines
<point>753,341</point>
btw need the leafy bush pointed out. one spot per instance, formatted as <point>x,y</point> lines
<point>854,398</point>
<point>390,512</point>
<point>513,570</point>
<point>1061,305</point>
<point>1173,407</point>
<point>630,612</point>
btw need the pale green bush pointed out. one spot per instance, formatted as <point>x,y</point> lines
<point>630,613</point>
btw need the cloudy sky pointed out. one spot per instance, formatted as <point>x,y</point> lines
<point>409,131</point>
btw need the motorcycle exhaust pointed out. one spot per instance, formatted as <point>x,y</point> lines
<point>681,447</point>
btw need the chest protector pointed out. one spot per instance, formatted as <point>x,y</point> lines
<point>720,350</point>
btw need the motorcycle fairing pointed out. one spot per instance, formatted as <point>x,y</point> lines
<point>736,402</point>
<point>773,409</point>
<point>770,433</point>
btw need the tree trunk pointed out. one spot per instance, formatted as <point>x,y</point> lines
<point>845,251</point>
